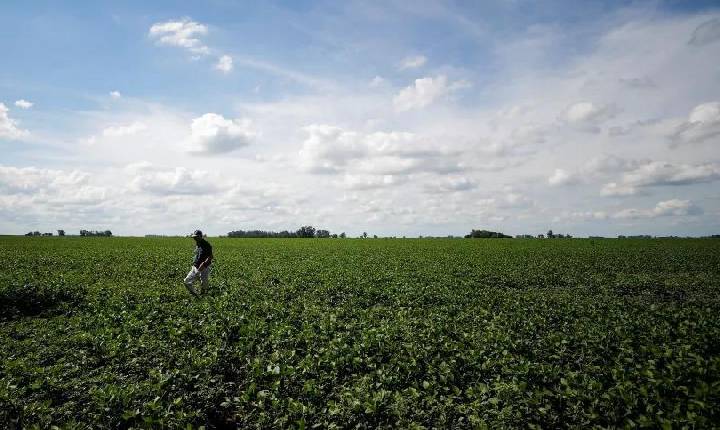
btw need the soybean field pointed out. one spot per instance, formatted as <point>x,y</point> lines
<point>351,333</point>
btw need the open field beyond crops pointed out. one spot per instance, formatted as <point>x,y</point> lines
<point>100,332</point>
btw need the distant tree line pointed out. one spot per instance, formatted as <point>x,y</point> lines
<point>551,235</point>
<point>106,233</point>
<point>37,233</point>
<point>485,234</point>
<point>548,235</point>
<point>306,231</point>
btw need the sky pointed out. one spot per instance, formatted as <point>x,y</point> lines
<point>393,118</point>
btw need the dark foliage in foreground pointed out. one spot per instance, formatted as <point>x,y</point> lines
<point>21,299</point>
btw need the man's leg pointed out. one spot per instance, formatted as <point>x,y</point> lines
<point>189,279</point>
<point>205,278</point>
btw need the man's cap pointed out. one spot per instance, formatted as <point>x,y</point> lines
<point>197,233</point>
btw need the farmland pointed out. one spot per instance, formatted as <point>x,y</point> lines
<point>100,332</point>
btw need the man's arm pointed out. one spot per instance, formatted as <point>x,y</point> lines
<point>206,262</point>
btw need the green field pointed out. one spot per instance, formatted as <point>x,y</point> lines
<point>100,332</point>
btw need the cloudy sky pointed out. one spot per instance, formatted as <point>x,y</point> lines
<point>391,117</point>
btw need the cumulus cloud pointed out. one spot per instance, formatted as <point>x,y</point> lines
<point>115,94</point>
<point>124,130</point>
<point>706,33</point>
<point>562,177</point>
<point>38,189</point>
<point>225,64</point>
<point>413,62</point>
<point>213,134</point>
<point>513,199</point>
<point>515,140</point>
<point>8,126</point>
<point>674,207</point>
<point>640,175</point>
<point>14,180</point>
<point>330,149</point>
<point>614,189</point>
<point>424,91</point>
<point>607,163</point>
<point>367,182</point>
<point>662,173</point>
<point>407,163</point>
<point>182,33</point>
<point>82,196</point>
<point>138,167</point>
<point>177,181</point>
<point>581,216</point>
<point>450,184</point>
<point>702,124</point>
<point>587,116</point>
<point>23,104</point>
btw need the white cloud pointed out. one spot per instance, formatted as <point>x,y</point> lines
<point>674,207</point>
<point>14,180</point>
<point>702,124</point>
<point>225,64</point>
<point>138,167</point>
<point>513,199</point>
<point>115,94</point>
<point>515,139</point>
<point>449,184</point>
<point>375,82</point>
<point>124,130</point>
<point>213,134</point>
<point>367,182</point>
<point>177,181</point>
<point>425,91</point>
<point>33,190</point>
<point>23,104</point>
<point>614,189</point>
<point>413,62</point>
<point>183,33</point>
<point>609,164</point>
<point>286,73</point>
<point>639,175</point>
<point>330,149</point>
<point>582,216</point>
<point>662,173</point>
<point>8,126</point>
<point>406,163</point>
<point>562,177</point>
<point>587,116</point>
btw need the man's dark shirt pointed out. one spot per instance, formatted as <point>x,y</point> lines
<point>203,250</point>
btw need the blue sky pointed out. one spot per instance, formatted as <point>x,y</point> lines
<point>406,118</point>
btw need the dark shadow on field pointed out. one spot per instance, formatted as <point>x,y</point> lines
<point>32,299</point>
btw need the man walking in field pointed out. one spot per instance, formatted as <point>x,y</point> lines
<point>201,264</point>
